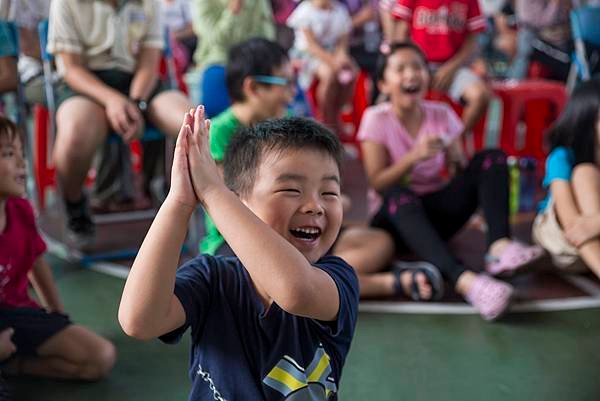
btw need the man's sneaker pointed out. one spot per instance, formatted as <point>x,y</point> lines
<point>80,227</point>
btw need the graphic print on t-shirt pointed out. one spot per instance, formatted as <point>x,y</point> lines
<point>443,20</point>
<point>299,384</point>
<point>4,278</point>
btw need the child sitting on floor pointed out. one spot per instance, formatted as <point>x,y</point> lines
<point>278,309</point>
<point>406,144</point>
<point>568,224</point>
<point>47,343</point>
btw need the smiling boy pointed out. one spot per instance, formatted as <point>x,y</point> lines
<point>276,321</point>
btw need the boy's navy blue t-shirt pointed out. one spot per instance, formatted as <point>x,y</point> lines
<point>251,354</point>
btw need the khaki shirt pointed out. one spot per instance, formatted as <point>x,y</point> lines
<point>105,37</point>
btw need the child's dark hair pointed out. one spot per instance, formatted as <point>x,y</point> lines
<point>256,56</point>
<point>247,148</point>
<point>576,126</point>
<point>8,129</point>
<point>382,61</point>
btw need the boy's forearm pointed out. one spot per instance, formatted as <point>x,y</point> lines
<point>148,291</point>
<point>43,282</point>
<point>273,263</point>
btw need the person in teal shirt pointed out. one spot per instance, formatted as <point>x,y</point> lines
<point>8,58</point>
<point>260,82</point>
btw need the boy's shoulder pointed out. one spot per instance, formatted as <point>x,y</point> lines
<point>225,119</point>
<point>222,129</point>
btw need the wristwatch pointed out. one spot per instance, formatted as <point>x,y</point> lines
<point>141,104</point>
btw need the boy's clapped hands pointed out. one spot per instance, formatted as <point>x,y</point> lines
<point>204,173</point>
<point>194,171</point>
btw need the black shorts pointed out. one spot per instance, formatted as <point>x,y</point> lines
<point>33,327</point>
<point>119,80</point>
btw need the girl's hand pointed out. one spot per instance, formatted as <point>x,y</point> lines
<point>182,190</point>
<point>204,172</point>
<point>582,230</point>
<point>427,147</point>
<point>455,158</point>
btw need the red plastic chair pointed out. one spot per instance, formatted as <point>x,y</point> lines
<point>534,104</point>
<point>350,116</point>
<point>44,171</point>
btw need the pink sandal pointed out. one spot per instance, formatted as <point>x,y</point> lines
<point>515,256</point>
<point>489,296</point>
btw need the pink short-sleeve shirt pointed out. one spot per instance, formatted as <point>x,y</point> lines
<point>381,125</point>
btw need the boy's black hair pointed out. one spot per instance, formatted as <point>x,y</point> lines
<point>383,58</point>
<point>8,129</point>
<point>255,56</point>
<point>247,148</point>
<point>576,126</point>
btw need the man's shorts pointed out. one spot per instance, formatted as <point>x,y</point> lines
<point>33,327</point>
<point>548,233</point>
<point>118,80</point>
<point>463,78</point>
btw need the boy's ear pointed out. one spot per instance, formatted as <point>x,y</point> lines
<point>249,87</point>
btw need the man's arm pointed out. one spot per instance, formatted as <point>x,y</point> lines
<point>445,74</point>
<point>30,43</point>
<point>400,30</point>
<point>279,271</point>
<point>43,282</point>
<point>123,115</point>
<point>146,73</point>
<point>8,74</point>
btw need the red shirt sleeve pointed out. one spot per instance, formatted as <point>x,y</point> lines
<point>403,9</point>
<point>475,20</point>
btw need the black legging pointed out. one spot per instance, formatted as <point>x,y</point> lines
<point>424,223</point>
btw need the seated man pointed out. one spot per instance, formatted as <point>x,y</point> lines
<point>107,54</point>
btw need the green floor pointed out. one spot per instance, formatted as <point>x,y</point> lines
<point>537,356</point>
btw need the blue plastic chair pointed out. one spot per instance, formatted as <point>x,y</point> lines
<point>585,27</point>
<point>214,90</point>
